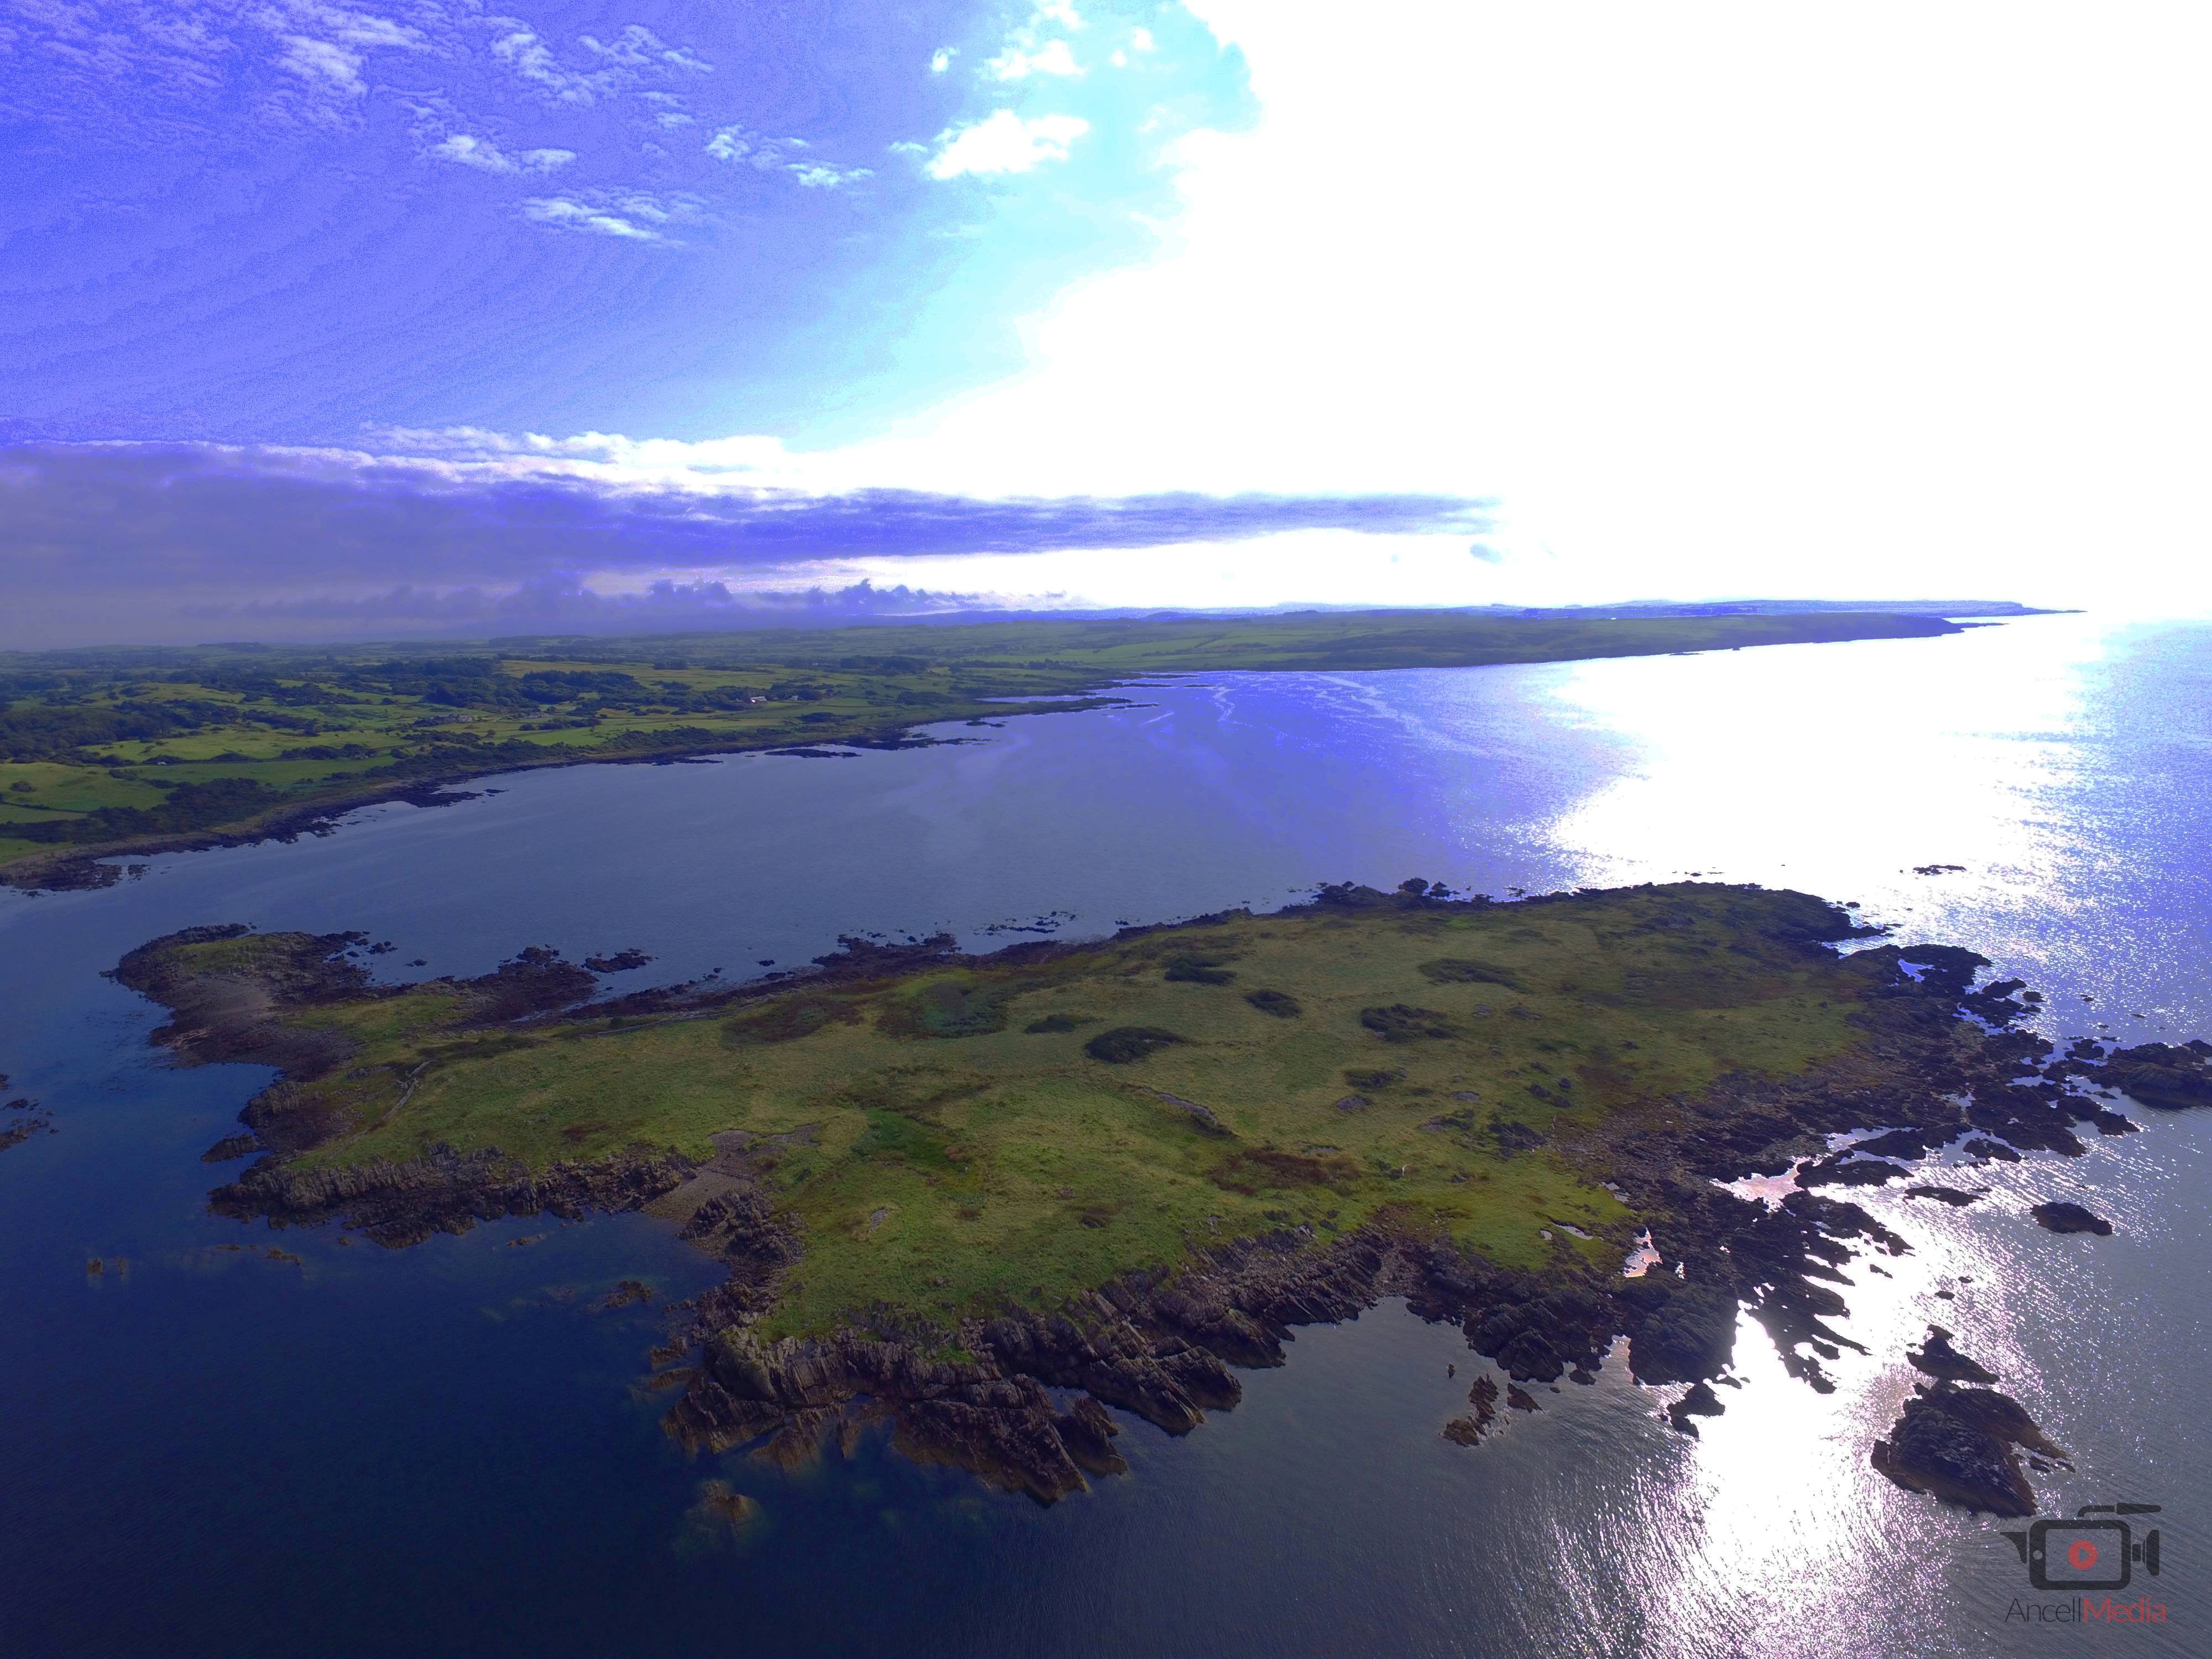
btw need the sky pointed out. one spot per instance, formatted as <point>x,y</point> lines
<point>322,319</point>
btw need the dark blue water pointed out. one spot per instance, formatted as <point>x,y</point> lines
<point>211,1451</point>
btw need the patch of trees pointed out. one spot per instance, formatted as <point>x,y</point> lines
<point>188,807</point>
<point>47,730</point>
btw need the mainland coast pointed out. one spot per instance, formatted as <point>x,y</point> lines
<point>110,755</point>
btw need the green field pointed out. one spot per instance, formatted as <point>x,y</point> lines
<point>1019,1128</point>
<point>113,752</point>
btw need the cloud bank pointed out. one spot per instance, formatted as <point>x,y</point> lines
<point>103,542</point>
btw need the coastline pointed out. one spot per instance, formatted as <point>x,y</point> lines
<point>76,868</point>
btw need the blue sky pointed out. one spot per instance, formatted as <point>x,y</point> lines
<point>298,221</point>
<point>321,317</point>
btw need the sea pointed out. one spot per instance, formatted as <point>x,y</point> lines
<point>220,1439</point>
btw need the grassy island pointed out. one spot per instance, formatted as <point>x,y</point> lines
<point>944,1181</point>
<point>954,1135</point>
<point>109,752</point>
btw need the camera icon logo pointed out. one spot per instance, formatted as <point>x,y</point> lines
<point>2086,1554</point>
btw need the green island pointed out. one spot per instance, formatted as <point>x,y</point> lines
<point>112,752</point>
<point>986,1197</point>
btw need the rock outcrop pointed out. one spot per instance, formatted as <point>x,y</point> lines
<point>1963,1446</point>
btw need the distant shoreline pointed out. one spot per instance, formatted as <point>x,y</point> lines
<point>114,755</point>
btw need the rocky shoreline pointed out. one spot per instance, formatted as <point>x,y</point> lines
<point>402,1203</point>
<point>1162,1348</point>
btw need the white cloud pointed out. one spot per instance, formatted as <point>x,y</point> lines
<point>1005,143</point>
<point>1061,12</point>
<point>816,175</point>
<point>487,157</point>
<point>637,47</point>
<point>474,153</point>
<point>533,60</point>
<point>1053,57</point>
<point>941,59</point>
<point>355,28</point>
<point>569,214</point>
<point>738,146</point>
<point>324,64</point>
<point>1140,41</point>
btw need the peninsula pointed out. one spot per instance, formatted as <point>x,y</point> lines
<point>110,753</point>
<point>963,1192</point>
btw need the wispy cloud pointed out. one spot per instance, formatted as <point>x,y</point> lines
<point>569,215</point>
<point>1005,143</point>
<point>309,62</point>
<point>820,175</point>
<point>619,64</point>
<point>487,157</point>
<point>324,63</point>
<point>741,146</point>
<point>638,48</point>
<point>110,541</point>
<point>529,57</point>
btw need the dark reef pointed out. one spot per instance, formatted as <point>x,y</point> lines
<point>2067,1218</point>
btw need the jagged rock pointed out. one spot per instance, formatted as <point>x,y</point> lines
<point>1699,1402</point>
<point>1687,1333</point>
<point>1087,1431</point>
<point>1936,1358</point>
<point>1469,1431</point>
<point>2163,1076</point>
<point>1958,1445</point>
<point>232,1147</point>
<point>1528,1358</point>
